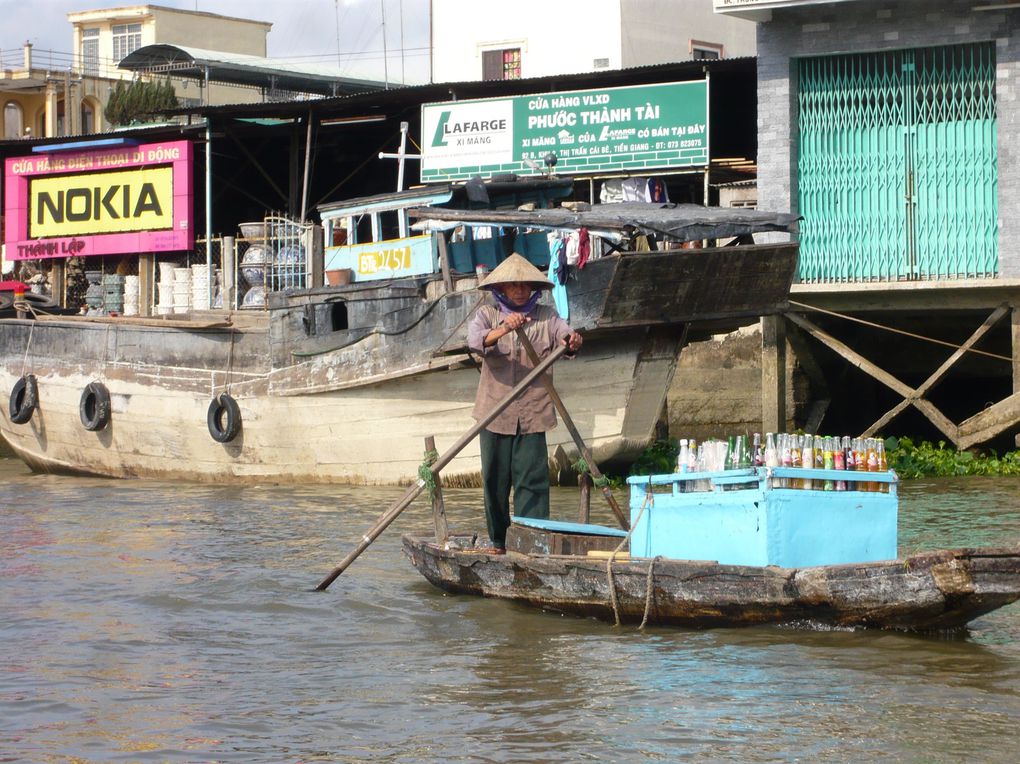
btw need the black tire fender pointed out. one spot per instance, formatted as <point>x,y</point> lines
<point>224,418</point>
<point>24,399</point>
<point>94,407</point>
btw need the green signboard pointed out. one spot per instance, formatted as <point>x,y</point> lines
<point>629,129</point>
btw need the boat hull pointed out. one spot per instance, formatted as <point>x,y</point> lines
<point>344,385</point>
<point>937,591</point>
<point>369,433</point>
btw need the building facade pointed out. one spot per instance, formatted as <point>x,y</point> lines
<point>892,129</point>
<point>535,39</point>
<point>56,94</point>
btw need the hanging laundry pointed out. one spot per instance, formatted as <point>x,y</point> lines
<point>558,276</point>
<point>635,190</point>
<point>583,247</point>
<point>657,191</point>
<point>611,191</point>
<point>570,245</point>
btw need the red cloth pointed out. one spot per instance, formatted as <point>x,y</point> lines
<point>583,247</point>
<point>13,286</point>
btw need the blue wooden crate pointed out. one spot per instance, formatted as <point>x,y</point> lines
<point>745,519</point>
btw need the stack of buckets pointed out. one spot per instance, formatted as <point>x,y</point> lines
<point>200,287</point>
<point>182,290</point>
<point>113,293</point>
<point>130,295</point>
<point>165,305</point>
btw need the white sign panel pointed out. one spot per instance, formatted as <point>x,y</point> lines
<point>476,132</point>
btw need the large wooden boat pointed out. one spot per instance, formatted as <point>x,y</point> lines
<point>342,384</point>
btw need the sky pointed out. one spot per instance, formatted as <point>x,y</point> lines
<point>303,30</point>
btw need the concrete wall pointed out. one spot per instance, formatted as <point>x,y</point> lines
<point>655,31</point>
<point>554,37</point>
<point>872,25</point>
<point>568,36</point>
<point>210,31</point>
<point>716,391</point>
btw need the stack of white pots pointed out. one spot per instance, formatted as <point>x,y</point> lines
<point>182,290</point>
<point>165,305</point>
<point>200,287</point>
<point>130,295</point>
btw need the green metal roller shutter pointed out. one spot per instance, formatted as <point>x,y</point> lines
<point>897,165</point>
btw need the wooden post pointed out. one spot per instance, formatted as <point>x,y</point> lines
<point>58,269</point>
<point>584,512</point>
<point>146,283</point>
<point>773,373</point>
<point>401,504</point>
<point>438,507</point>
<point>1015,325</point>
<point>444,260</point>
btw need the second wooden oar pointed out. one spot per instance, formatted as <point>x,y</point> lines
<point>568,422</point>
<point>391,514</point>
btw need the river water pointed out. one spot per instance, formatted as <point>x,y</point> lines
<point>150,622</point>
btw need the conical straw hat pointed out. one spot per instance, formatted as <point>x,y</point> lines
<point>516,268</point>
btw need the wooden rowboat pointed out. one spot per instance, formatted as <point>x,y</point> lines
<point>934,591</point>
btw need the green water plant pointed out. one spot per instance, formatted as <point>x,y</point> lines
<point>926,459</point>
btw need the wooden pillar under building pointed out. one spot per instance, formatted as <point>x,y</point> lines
<point>146,283</point>
<point>1015,334</point>
<point>773,373</point>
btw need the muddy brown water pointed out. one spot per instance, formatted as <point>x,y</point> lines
<point>145,621</point>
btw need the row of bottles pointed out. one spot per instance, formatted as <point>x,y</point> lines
<point>787,450</point>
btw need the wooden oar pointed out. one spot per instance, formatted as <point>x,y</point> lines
<point>582,449</point>
<point>391,514</point>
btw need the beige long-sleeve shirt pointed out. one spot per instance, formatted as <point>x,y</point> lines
<point>506,363</point>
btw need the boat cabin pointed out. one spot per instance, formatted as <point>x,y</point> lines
<point>369,238</point>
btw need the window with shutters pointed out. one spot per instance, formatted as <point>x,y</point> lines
<point>502,64</point>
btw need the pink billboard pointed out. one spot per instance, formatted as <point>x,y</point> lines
<point>110,201</point>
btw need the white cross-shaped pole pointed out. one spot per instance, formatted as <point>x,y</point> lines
<point>400,156</point>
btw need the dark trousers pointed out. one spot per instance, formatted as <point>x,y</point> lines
<point>521,461</point>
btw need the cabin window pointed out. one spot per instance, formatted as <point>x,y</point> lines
<point>504,64</point>
<point>362,229</point>
<point>338,232</point>
<point>389,225</point>
<point>127,38</point>
<point>338,316</point>
<point>703,51</point>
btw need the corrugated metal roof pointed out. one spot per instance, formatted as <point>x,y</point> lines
<point>444,91</point>
<point>241,69</point>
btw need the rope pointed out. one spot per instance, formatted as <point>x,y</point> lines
<point>648,591</point>
<point>611,580</point>
<point>898,331</point>
<point>230,361</point>
<point>582,467</point>
<point>28,346</point>
<point>425,473</point>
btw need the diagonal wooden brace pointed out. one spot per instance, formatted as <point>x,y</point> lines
<point>940,420</point>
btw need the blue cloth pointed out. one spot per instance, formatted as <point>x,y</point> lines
<point>558,276</point>
<point>505,306</point>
